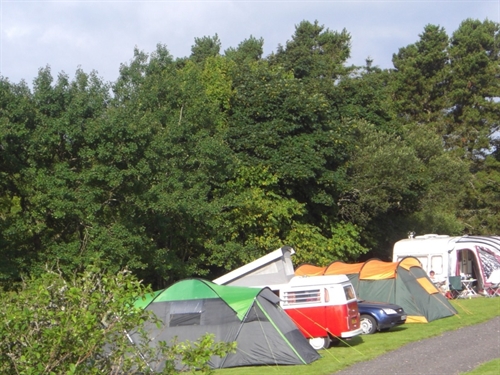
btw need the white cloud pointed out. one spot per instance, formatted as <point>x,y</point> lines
<point>17,32</point>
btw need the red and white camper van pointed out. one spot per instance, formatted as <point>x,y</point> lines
<point>324,308</point>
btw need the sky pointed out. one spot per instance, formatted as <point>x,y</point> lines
<point>100,35</point>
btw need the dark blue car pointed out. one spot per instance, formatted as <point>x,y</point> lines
<point>379,316</point>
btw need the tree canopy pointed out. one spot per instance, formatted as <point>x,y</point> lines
<point>194,166</point>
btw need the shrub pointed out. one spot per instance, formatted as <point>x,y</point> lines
<point>80,325</point>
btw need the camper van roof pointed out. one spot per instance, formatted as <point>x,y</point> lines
<point>317,280</point>
<point>275,267</point>
<point>302,281</point>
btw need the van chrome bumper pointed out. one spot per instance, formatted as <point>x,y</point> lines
<point>352,333</point>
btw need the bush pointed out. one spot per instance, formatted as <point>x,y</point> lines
<point>56,325</point>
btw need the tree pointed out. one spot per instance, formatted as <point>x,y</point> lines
<point>449,86</point>
<point>314,52</point>
<point>290,148</point>
<point>481,209</point>
<point>366,94</point>
<point>249,50</point>
<point>15,108</point>
<point>50,139</point>
<point>205,47</point>
<point>445,174</point>
<point>474,109</point>
<point>385,183</point>
<point>472,122</point>
<point>422,79</point>
<point>182,112</point>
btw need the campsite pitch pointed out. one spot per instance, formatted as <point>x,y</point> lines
<point>451,353</point>
<point>368,347</point>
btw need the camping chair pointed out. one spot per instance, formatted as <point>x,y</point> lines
<point>494,288</point>
<point>456,287</point>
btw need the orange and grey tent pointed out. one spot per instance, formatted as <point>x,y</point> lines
<point>403,283</point>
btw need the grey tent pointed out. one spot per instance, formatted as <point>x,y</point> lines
<point>251,317</point>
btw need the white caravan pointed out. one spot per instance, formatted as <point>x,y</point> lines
<point>473,257</point>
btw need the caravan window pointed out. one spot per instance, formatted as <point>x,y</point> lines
<point>423,262</point>
<point>437,264</point>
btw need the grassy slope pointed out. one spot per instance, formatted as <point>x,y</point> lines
<point>363,348</point>
<point>488,368</point>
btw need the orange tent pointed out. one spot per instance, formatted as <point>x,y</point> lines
<point>403,283</point>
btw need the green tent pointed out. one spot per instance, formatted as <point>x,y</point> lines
<point>251,317</point>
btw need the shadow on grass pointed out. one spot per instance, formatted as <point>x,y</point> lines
<point>357,340</point>
<point>394,329</point>
<point>353,341</point>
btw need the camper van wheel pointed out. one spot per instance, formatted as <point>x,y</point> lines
<point>368,324</point>
<point>320,342</point>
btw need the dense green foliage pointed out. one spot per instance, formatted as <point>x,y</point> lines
<point>80,325</point>
<point>197,165</point>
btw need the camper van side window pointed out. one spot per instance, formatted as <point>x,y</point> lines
<point>349,292</point>
<point>301,296</point>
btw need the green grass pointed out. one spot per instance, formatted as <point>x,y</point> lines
<point>488,368</point>
<point>363,348</point>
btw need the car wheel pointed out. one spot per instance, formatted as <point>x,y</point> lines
<point>320,342</point>
<point>368,324</point>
